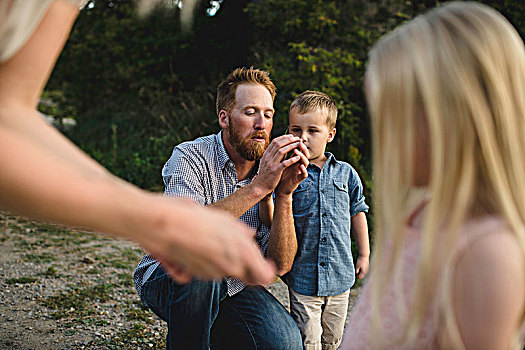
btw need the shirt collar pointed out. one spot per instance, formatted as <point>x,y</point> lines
<point>330,158</point>
<point>222,155</point>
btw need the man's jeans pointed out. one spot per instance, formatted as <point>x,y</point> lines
<point>200,315</point>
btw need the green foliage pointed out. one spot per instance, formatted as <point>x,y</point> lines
<point>21,280</point>
<point>39,258</point>
<point>137,87</point>
<point>51,271</point>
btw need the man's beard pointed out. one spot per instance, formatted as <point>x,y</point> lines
<point>248,149</point>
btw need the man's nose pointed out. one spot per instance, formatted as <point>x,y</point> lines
<point>260,122</point>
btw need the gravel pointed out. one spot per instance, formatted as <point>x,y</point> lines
<point>63,288</point>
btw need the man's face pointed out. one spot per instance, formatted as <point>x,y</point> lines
<point>251,121</point>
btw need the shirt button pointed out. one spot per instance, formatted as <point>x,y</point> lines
<point>322,264</point>
<point>323,239</point>
<point>324,215</point>
<point>322,191</point>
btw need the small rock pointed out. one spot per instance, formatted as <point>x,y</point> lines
<point>88,260</point>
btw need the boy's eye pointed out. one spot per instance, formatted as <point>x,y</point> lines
<point>313,131</point>
<point>295,130</point>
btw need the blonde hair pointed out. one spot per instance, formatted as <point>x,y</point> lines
<point>315,100</point>
<point>459,72</point>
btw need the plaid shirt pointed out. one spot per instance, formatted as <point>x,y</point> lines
<point>202,171</point>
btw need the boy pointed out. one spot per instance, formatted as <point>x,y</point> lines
<point>326,206</point>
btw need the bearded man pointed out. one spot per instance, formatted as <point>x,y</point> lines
<point>232,171</point>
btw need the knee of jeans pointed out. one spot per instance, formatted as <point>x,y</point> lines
<point>289,339</point>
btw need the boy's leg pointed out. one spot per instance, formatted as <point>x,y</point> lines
<point>333,320</point>
<point>189,309</point>
<point>254,319</point>
<point>306,311</point>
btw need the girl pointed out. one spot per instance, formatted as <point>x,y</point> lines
<point>447,99</point>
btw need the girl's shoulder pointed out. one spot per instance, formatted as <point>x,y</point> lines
<point>488,283</point>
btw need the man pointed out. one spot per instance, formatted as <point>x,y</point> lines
<point>232,171</point>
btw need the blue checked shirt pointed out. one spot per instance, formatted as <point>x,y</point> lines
<point>323,205</point>
<point>202,171</point>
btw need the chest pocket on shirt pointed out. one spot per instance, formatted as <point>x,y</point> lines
<point>302,197</point>
<point>341,197</point>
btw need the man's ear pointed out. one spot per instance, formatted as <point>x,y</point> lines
<point>224,119</point>
<point>331,135</point>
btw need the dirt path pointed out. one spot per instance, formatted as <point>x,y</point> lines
<point>68,289</point>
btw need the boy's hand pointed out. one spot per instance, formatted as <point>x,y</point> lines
<point>295,173</point>
<point>361,266</point>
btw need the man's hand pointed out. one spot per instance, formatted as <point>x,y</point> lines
<point>273,164</point>
<point>295,173</point>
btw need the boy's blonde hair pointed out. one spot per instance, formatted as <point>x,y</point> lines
<point>315,100</point>
<point>458,71</point>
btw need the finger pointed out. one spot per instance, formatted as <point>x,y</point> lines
<point>303,156</point>
<point>304,172</point>
<point>285,141</point>
<point>259,271</point>
<point>255,268</point>
<point>178,273</point>
<point>290,161</point>
<point>281,141</point>
<point>304,150</point>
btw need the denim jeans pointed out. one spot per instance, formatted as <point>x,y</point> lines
<point>200,315</point>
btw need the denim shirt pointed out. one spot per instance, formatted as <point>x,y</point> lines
<point>323,205</point>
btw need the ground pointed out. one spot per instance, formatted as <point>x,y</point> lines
<point>63,288</point>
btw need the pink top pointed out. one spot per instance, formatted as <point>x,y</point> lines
<point>357,333</point>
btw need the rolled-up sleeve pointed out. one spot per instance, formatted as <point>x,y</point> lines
<point>182,178</point>
<point>357,199</point>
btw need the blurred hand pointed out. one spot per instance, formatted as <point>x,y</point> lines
<point>195,241</point>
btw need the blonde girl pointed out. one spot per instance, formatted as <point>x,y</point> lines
<point>447,99</point>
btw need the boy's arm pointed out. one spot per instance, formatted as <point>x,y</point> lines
<point>266,210</point>
<point>360,234</point>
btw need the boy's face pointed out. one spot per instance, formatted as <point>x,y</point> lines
<point>311,127</point>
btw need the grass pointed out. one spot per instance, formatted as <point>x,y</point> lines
<point>21,280</point>
<point>137,312</point>
<point>51,271</point>
<point>91,303</point>
<point>138,336</point>
<point>39,258</point>
<point>75,303</point>
<point>126,280</point>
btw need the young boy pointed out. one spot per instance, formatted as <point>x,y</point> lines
<point>327,205</point>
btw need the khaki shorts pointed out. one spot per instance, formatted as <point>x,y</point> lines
<point>321,319</point>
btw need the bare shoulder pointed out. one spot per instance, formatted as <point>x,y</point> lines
<point>489,290</point>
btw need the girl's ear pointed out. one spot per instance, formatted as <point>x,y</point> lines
<point>331,135</point>
<point>224,119</point>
